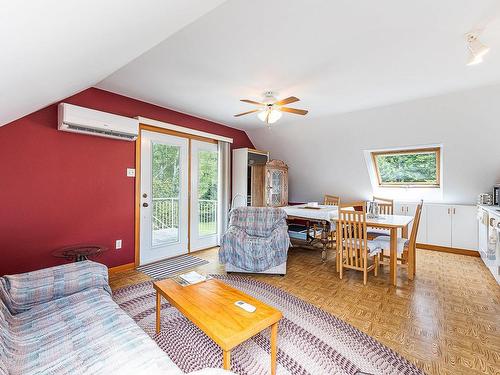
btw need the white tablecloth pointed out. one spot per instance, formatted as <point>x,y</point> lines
<point>329,213</point>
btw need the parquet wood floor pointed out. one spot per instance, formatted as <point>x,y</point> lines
<point>447,321</point>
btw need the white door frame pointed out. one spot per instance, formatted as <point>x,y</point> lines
<point>148,253</point>
<point>198,242</point>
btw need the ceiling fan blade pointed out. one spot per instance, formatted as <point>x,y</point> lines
<point>294,111</point>
<point>251,102</point>
<point>246,113</point>
<point>291,99</point>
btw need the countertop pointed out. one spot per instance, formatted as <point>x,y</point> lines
<point>491,209</point>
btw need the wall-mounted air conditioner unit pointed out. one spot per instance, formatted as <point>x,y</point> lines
<point>82,120</point>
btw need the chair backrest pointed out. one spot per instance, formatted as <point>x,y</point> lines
<point>416,223</point>
<point>351,234</point>
<point>386,206</point>
<point>331,200</point>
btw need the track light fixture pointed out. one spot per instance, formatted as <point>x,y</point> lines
<point>476,48</point>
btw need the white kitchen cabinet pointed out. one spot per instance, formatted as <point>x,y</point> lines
<point>439,226</point>
<point>464,227</point>
<point>444,224</point>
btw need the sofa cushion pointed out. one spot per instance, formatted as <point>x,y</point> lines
<point>83,333</point>
<point>23,291</point>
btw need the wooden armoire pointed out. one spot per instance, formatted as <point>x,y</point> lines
<point>258,181</point>
<point>270,184</point>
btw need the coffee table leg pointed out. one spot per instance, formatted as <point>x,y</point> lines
<point>274,339</point>
<point>158,311</point>
<point>226,359</point>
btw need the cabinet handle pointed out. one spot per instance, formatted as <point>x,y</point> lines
<point>454,210</point>
<point>448,211</point>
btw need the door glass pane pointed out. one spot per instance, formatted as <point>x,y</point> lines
<point>208,178</point>
<point>165,186</point>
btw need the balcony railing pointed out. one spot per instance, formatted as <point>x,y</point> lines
<point>207,216</point>
<point>166,215</point>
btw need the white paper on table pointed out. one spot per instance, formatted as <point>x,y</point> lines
<point>192,277</point>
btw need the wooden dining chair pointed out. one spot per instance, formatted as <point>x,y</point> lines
<point>331,200</point>
<point>353,247</point>
<point>386,207</point>
<point>406,246</point>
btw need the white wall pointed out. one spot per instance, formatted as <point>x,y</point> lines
<point>325,155</point>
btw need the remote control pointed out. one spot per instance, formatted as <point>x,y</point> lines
<point>245,306</point>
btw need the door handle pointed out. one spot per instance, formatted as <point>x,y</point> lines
<point>145,205</point>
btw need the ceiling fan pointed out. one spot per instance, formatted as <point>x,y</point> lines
<point>270,109</point>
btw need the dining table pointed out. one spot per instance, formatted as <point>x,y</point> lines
<point>327,216</point>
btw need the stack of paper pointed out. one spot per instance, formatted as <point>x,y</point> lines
<point>192,277</point>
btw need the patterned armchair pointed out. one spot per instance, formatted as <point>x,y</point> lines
<point>256,241</point>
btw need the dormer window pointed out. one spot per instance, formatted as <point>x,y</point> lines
<point>407,168</point>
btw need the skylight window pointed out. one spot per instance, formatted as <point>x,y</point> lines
<point>408,168</point>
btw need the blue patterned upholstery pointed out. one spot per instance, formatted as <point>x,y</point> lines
<point>62,320</point>
<point>256,240</point>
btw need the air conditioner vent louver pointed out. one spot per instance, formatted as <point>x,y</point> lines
<point>111,133</point>
<point>75,119</point>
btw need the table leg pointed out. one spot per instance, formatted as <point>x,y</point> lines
<point>394,256</point>
<point>404,231</point>
<point>158,311</point>
<point>324,240</point>
<point>226,359</point>
<point>274,347</point>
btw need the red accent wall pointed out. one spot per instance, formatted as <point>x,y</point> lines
<point>59,189</point>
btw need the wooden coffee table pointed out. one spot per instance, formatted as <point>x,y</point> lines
<point>210,305</point>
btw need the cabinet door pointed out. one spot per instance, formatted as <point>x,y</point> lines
<point>276,191</point>
<point>483,233</point>
<point>400,208</point>
<point>464,227</point>
<point>439,225</point>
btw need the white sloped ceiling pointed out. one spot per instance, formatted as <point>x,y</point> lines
<point>337,56</point>
<point>52,49</point>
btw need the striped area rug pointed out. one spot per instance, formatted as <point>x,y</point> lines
<point>170,267</point>
<point>310,340</point>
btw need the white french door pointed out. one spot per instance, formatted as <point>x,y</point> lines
<point>204,195</point>
<point>163,196</point>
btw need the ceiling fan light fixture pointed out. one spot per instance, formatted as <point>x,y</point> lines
<point>270,115</point>
<point>476,48</point>
<point>270,109</point>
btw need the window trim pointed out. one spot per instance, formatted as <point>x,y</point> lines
<point>380,184</point>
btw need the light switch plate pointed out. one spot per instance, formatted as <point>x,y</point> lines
<point>118,244</point>
<point>130,172</point>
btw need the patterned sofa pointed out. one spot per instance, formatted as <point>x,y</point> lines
<point>256,241</point>
<point>62,320</point>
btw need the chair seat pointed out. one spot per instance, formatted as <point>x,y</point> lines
<point>373,247</point>
<point>384,243</point>
<point>379,232</point>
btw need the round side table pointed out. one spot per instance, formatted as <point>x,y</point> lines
<point>78,253</point>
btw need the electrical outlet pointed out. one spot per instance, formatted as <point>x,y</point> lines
<point>130,172</point>
<point>118,244</point>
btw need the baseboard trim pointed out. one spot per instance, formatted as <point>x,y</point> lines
<point>451,250</point>
<point>123,267</point>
